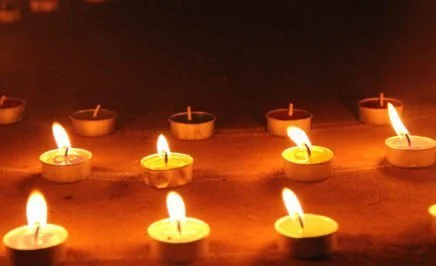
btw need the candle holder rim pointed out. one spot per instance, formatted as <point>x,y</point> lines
<point>410,150</point>
<point>189,157</point>
<point>20,100</point>
<point>113,113</point>
<point>196,220</point>
<point>395,101</point>
<point>268,114</point>
<point>23,227</point>
<point>326,218</point>
<point>305,164</point>
<point>212,116</point>
<point>88,153</point>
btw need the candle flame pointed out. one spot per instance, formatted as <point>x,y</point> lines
<point>36,209</point>
<point>396,122</point>
<point>176,207</point>
<point>162,146</point>
<point>61,136</point>
<point>300,138</point>
<point>292,204</point>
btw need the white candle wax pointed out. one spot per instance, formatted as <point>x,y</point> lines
<point>71,168</point>
<point>176,172</point>
<point>316,239</point>
<point>421,153</point>
<point>171,245</point>
<point>298,165</point>
<point>47,250</point>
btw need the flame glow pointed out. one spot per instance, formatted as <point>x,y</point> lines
<point>396,122</point>
<point>292,204</point>
<point>162,145</point>
<point>36,209</point>
<point>176,207</point>
<point>298,136</point>
<point>61,136</point>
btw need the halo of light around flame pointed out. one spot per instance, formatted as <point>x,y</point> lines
<point>176,207</point>
<point>61,136</point>
<point>396,122</point>
<point>292,204</point>
<point>298,136</point>
<point>162,145</point>
<point>36,209</point>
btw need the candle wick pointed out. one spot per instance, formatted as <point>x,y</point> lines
<point>409,141</point>
<point>96,110</point>
<point>189,113</point>
<point>2,100</point>
<point>166,157</point>
<point>66,151</point>
<point>35,236</point>
<point>179,227</point>
<point>300,220</point>
<point>309,152</point>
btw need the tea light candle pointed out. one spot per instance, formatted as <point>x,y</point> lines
<point>94,122</point>
<point>192,125</point>
<point>178,239</point>
<point>8,13</point>
<point>37,243</point>
<point>65,164</point>
<point>432,212</point>
<point>43,6</point>
<point>306,162</point>
<point>279,120</point>
<point>405,150</point>
<point>305,235</point>
<point>11,110</point>
<point>167,169</point>
<point>374,110</point>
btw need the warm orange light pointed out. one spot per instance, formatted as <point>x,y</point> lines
<point>176,207</point>
<point>162,146</point>
<point>299,136</point>
<point>36,209</point>
<point>61,136</point>
<point>396,122</point>
<point>292,204</point>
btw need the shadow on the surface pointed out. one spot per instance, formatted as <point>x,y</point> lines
<point>407,174</point>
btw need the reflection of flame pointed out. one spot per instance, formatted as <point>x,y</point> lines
<point>36,209</point>
<point>396,122</point>
<point>162,145</point>
<point>61,136</point>
<point>292,204</point>
<point>176,207</point>
<point>298,136</point>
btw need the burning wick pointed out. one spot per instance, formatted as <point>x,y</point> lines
<point>300,220</point>
<point>382,99</point>
<point>2,100</point>
<point>179,227</point>
<point>35,236</point>
<point>291,109</point>
<point>66,152</point>
<point>409,141</point>
<point>189,113</point>
<point>309,152</point>
<point>166,157</point>
<point>96,110</point>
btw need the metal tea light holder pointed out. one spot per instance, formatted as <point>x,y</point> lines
<point>191,125</point>
<point>94,122</point>
<point>374,111</point>
<point>279,120</point>
<point>11,110</point>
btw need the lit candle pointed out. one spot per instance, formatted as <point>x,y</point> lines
<point>9,12</point>
<point>305,235</point>
<point>191,125</point>
<point>11,110</point>
<point>165,168</point>
<point>374,110</point>
<point>43,6</point>
<point>432,212</point>
<point>279,120</point>
<point>94,122</point>
<point>178,238</point>
<point>306,162</point>
<point>37,243</point>
<point>65,164</point>
<point>406,150</point>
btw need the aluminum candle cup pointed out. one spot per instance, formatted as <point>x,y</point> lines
<point>169,245</point>
<point>10,14</point>
<point>177,172</point>
<point>422,152</point>
<point>279,120</point>
<point>370,111</point>
<point>298,166</point>
<point>84,124</point>
<point>317,239</point>
<point>201,126</point>
<point>12,110</point>
<point>44,5</point>
<point>21,249</point>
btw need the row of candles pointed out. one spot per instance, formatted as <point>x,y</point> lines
<point>183,239</point>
